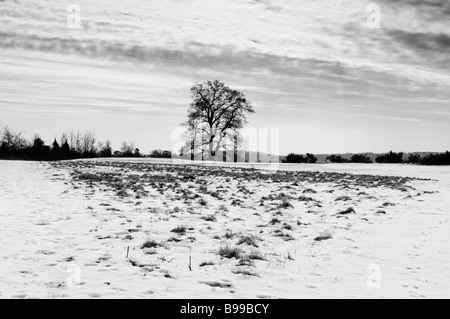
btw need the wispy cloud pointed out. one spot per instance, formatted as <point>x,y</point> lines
<point>291,57</point>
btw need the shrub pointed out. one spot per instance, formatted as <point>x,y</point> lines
<point>160,154</point>
<point>293,158</point>
<point>337,159</point>
<point>390,158</point>
<point>311,158</point>
<point>414,159</point>
<point>129,150</point>
<point>361,158</point>
<point>436,159</point>
<point>106,150</point>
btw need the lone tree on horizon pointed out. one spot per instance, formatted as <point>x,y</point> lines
<point>215,116</point>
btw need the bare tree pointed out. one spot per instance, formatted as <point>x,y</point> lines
<point>216,115</point>
<point>64,138</point>
<point>105,148</point>
<point>12,141</point>
<point>72,142</point>
<point>78,142</point>
<point>89,141</point>
<point>128,149</point>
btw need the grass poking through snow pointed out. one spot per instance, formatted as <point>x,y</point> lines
<point>209,218</point>
<point>181,230</point>
<point>326,235</point>
<point>256,255</point>
<point>150,244</point>
<point>230,252</point>
<point>245,272</point>
<point>250,240</point>
<point>206,263</point>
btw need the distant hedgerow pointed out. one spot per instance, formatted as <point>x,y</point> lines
<point>293,158</point>
<point>361,158</point>
<point>436,159</point>
<point>337,159</point>
<point>390,158</point>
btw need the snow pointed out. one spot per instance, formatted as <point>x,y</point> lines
<point>64,237</point>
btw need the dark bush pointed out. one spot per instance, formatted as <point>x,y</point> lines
<point>414,159</point>
<point>160,154</point>
<point>293,158</point>
<point>390,158</point>
<point>130,150</point>
<point>106,150</point>
<point>436,159</point>
<point>361,158</point>
<point>311,159</point>
<point>337,159</point>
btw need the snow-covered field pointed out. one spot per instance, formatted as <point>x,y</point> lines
<point>77,230</point>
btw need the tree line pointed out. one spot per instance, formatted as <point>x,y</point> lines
<point>435,159</point>
<point>71,145</point>
<point>76,145</point>
<point>300,159</point>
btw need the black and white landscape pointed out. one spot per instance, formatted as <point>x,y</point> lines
<point>224,149</point>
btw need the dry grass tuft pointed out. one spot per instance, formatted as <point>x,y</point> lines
<point>256,255</point>
<point>150,244</point>
<point>326,235</point>
<point>245,272</point>
<point>250,240</point>
<point>206,263</point>
<point>230,252</point>
<point>209,218</point>
<point>181,230</point>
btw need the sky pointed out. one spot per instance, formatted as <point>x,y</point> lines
<point>325,73</point>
